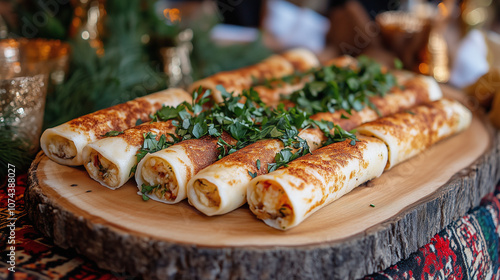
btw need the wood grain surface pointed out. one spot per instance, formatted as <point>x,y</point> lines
<point>347,239</point>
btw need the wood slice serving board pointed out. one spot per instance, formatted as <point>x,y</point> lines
<point>347,239</point>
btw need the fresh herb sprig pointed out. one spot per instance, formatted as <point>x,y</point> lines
<point>333,88</point>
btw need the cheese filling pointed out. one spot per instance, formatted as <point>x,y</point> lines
<point>268,201</point>
<point>62,147</point>
<point>207,193</point>
<point>159,173</point>
<point>102,170</point>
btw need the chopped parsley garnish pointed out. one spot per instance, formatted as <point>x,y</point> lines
<point>247,119</point>
<point>283,158</point>
<point>112,133</point>
<point>333,88</point>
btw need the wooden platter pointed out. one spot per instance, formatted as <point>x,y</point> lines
<point>347,239</point>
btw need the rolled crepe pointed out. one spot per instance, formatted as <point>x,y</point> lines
<point>109,161</point>
<point>64,143</point>
<point>236,80</point>
<point>408,133</point>
<point>287,196</point>
<point>302,59</point>
<point>272,96</point>
<point>170,169</point>
<point>275,66</point>
<point>221,187</point>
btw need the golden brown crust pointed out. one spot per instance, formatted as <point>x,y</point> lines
<point>326,161</point>
<point>272,67</point>
<point>117,118</point>
<point>426,118</point>
<point>348,123</point>
<point>204,151</point>
<point>329,160</point>
<point>264,150</point>
<point>134,136</point>
<point>236,81</point>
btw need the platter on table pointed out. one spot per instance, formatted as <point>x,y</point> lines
<point>365,231</point>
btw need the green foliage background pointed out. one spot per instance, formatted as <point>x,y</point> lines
<point>128,68</point>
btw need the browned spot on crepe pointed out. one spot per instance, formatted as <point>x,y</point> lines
<point>134,136</point>
<point>204,151</point>
<point>264,150</point>
<point>117,118</point>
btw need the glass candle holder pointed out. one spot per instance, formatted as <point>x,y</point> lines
<point>27,69</point>
<point>22,103</point>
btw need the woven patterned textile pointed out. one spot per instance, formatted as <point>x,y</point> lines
<point>465,249</point>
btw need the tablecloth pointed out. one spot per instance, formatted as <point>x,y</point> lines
<point>466,249</point>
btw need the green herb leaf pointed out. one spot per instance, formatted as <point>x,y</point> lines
<point>253,175</point>
<point>147,189</point>
<point>112,133</point>
<point>275,133</point>
<point>199,130</point>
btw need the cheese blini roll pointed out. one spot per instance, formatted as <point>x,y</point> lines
<point>287,196</point>
<point>408,133</point>
<point>109,161</point>
<point>170,169</point>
